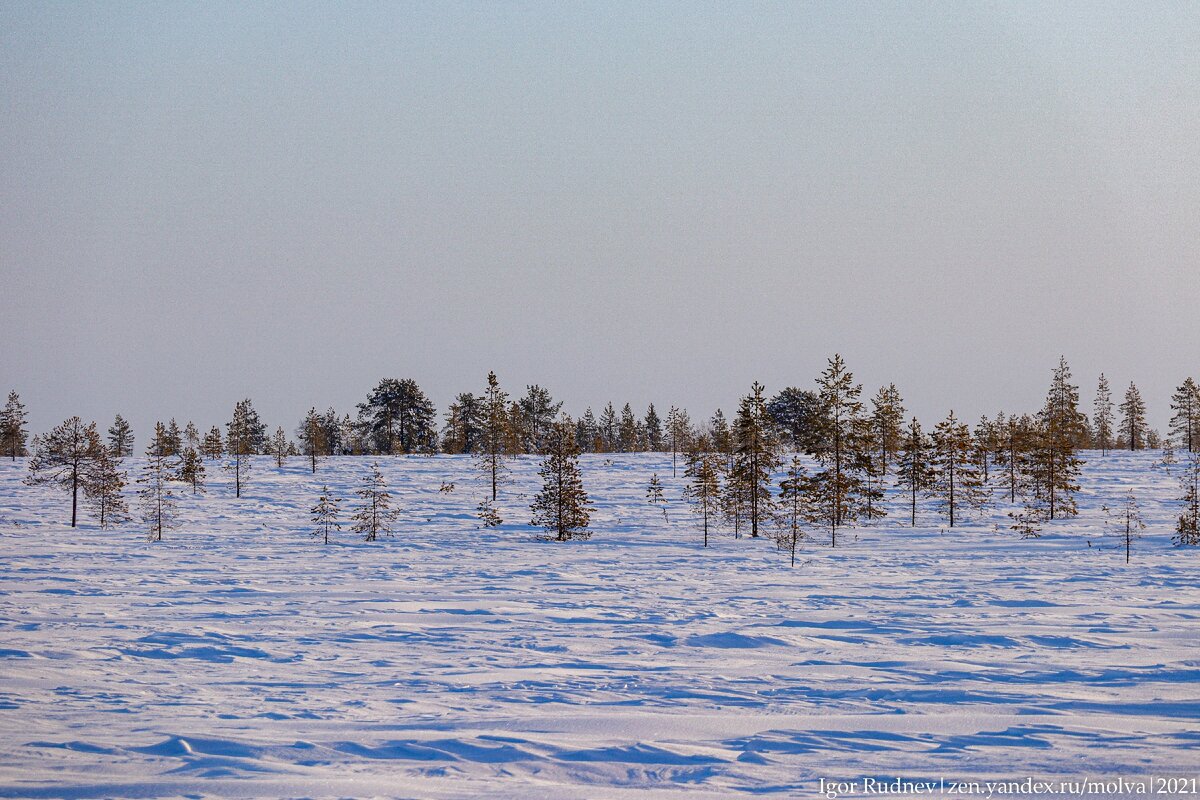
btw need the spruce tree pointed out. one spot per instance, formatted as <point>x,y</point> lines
<point>375,515</point>
<point>212,446</point>
<point>794,493</point>
<point>587,433</point>
<point>12,427</point>
<point>312,436</point>
<point>66,457</point>
<point>494,436</point>
<point>983,445</point>
<point>654,431</point>
<point>280,447</point>
<point>1185,423</point>
<point>1133,419</point>
<point>120,438</point>
<point>191,469</point>
<point>797,413</point>
<point>103,490</point>
<point>755,458</point>
<point>1102,416</point>
<point>721,436</point>
<point>704,486</point>
<point>325,514</point>
<point>957,484</point>
<point>562,506</point>
<point>159,510</point>
<point>627,431</point>
<point>914,468</point>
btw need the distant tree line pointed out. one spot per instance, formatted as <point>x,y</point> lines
<point>856,450</point>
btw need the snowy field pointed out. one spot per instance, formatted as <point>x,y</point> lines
<point>242,658</point>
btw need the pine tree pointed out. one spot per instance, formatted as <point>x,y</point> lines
<point>1187,529</point>
<point>375,515</point>
<point>755,458</point>
<point>704,486</point>
<point>280,447</point>
<point>609,437</point>
<point>654,432</point>
<point>538,412</point>
<point>464,421</point>
<point>66,457</point>
<point>120,438</point>
<point>678,427</point>
<point>488,514</point>
<point>325,514</point>
<point>654,491</point>
<point>1061,430</point>
<point>839,485</point>
<point>171,440</point>
<point>1102,416</point>
<point>914,468</point>
<point>213,447</point>
<point>311,434</point>
<point>191,436</point>
<point>587,433</point>
<point>721,435</point>
<point>191,469</point>
<point>241,433</point>
<point>983,445</point>
<point>794,493</point>
<point>159,510</point>
<point>957,483</point>
<point>562,505</point>
<point>494,435</point>
<point>887,421</point>
<point>797,416</point>
<point>103,488</point>
<point>1133,419</point>
<point>12,427</point>
<point>398,418</point>
<point>1127,521</point>
<point>1185,423</point>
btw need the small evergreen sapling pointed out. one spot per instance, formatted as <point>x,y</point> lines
<point>213,447</point>
<point>280,448</point>
<point>488,514</point>
<point>562,506</point>
<point>1127,521</point>
<point>375,515</point>
<point>794,500</point>
<point>156,499</point>
<point>325,514</point>
<point>704,486</point>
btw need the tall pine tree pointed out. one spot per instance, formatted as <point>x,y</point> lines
<point>66,457</point>
<point>12,427</point>
<point>562,506</point>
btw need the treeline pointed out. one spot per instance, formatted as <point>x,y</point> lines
<point>857,449</point>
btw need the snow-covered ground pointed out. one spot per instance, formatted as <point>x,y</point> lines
<point>241,657</point>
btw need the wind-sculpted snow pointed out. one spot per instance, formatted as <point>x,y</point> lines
<point>241,657</point>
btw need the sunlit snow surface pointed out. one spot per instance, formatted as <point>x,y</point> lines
<point>241,657</point>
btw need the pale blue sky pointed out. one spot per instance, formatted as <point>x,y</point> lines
<point>627,201</point>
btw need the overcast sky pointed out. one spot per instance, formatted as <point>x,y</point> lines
<point>643,202</point>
